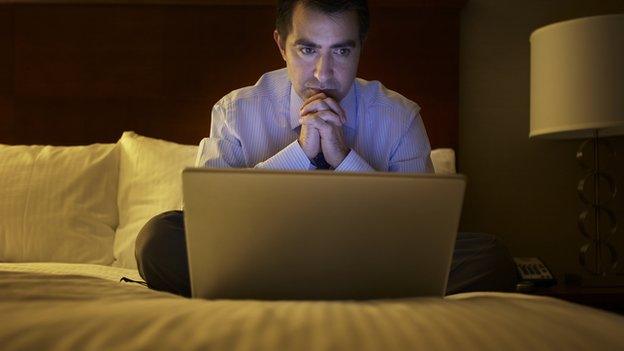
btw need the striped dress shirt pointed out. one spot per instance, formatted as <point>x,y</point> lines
<point>258,127</point>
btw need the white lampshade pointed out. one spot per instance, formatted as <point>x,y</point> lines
<point>577,78</point>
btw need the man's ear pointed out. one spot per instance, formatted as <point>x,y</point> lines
<point>281,44</point>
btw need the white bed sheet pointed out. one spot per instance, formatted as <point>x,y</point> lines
<point>89,270</point>
<point>88,309</point>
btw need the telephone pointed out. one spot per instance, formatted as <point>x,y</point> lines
<point>532,271</point>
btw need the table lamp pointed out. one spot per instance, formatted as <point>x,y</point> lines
<point>577,92</point>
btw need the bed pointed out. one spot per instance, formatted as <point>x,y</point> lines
<point>76,184</point>
<point>86,308</point>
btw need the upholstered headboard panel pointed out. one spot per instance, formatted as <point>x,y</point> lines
<point>75,72</point>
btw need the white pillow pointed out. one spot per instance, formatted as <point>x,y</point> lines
<point>443,161</point>
<point>58,203</point>
<point>150,182</point>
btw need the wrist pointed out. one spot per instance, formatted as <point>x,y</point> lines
<point>307,152</point>
<point>344,152</point>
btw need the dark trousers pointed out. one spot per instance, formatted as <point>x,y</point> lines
<point>480,261</point>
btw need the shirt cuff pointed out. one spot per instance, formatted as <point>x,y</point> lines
<point>290,158</point>
<point>354,163</point>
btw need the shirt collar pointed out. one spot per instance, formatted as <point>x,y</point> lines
<point>348,104</point>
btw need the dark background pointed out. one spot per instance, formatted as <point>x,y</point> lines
<point>76,73</point>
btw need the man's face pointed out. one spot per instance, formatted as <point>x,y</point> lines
<point>321,51</point>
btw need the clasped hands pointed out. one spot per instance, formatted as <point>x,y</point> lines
<point>321,119</point>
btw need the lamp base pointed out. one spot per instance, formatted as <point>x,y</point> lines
<point>598,256</point>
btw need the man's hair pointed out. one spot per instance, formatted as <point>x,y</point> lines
<point>285,9</point>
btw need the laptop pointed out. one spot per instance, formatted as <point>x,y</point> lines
<point>254,234</point>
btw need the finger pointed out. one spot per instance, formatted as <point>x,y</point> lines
<point>317,96</point>
<point>316,122</point>
<point>329,117</point>
<point>335,106</point>
<point>310,121</point>
<point>314,106</point>
<point>321,101</point>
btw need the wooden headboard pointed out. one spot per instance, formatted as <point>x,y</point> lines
<point>77,72</point>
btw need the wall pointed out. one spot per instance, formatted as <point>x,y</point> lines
<point>98,68</point>
<point>520,189</point>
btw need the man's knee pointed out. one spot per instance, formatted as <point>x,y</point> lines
<point>486,248</point>
<point>481,262</point>
<point>494,252</point>
<point>161,253</point>
<point>157,233</point>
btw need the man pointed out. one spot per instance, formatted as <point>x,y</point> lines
<point>316,114</point>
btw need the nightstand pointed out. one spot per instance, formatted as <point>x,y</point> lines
<point>610,298</point>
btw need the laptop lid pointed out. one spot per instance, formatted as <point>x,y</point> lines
<point>319,235</point>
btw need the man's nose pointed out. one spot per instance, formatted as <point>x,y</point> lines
<point>324,69</point>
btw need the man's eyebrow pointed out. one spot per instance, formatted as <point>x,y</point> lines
<point>344,44</point>
<point>305,42</point>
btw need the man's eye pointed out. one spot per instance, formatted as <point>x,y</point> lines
<point>343,51</point>
<point>306,51</point>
